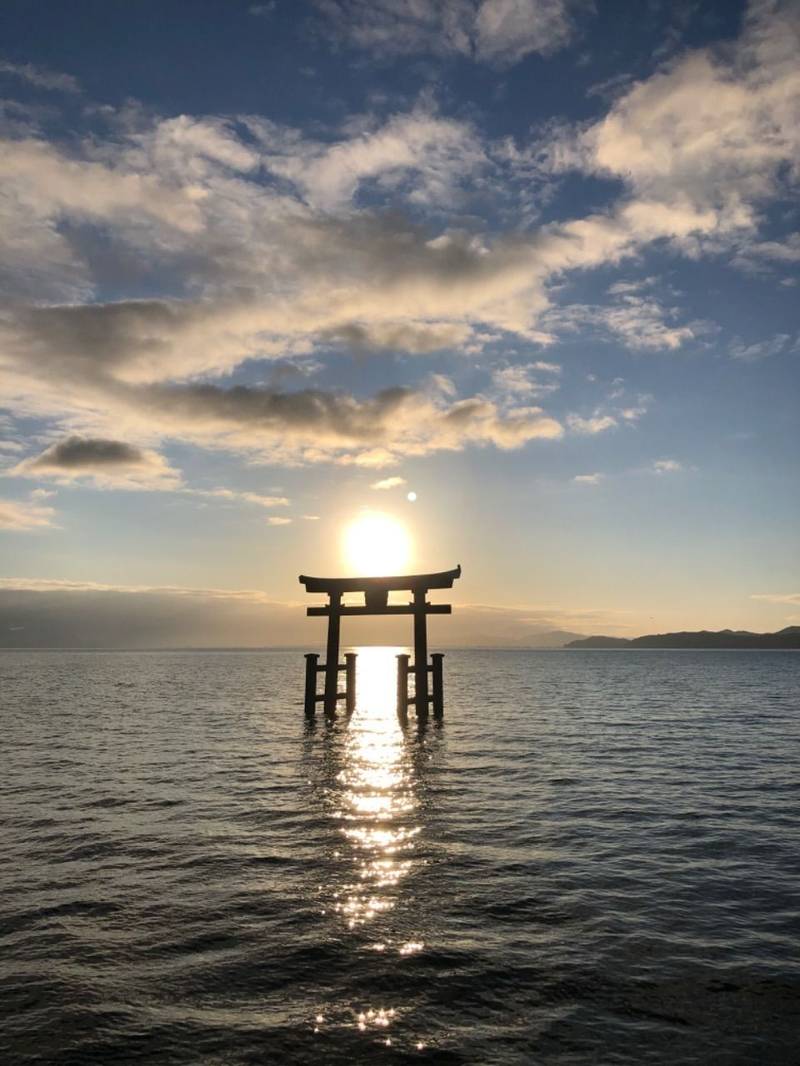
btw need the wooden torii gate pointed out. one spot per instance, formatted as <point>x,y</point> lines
<point>376,601</point>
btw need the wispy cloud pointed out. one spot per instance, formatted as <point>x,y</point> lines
<point>22,516</point>
<point>497,32</point>
<point>40,77</point>
<point>534,379</point>
<point>667,466</point>
<point>388,483</point>
<point>235,496</point>
<point>597,423</point>
<point>755,352</point>
<point>588,479</point>
<point>790,598</point>
<point>278,520</point>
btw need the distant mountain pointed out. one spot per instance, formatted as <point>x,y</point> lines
<point>725,638</point>
<point>553,638</point>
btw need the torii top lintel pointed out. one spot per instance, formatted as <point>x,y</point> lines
<point>376,593</point>
<point>411,582</point>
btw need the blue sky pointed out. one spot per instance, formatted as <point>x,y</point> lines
<point>534,260</point>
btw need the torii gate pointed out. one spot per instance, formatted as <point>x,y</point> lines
<point>376,601</point>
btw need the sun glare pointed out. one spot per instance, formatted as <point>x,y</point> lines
<point>376,544</point>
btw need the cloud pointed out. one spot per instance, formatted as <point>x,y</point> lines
<point>519,380</point>
<point>420,155</point>
<point>101,362</point>
<point>276,520</point>
<point>388,483</point>
<point>791,598</point>
<point>275,245</point>
<point>785,251</point>
<point>713,132</point>
<point>597,423</point>
<point>42,613</point>
<point>108,463</point>
<point>414,338</point>
<point>703,142</point>
<point>667,466</point>
<point>497,32</point>
<point>754,353</point>
<point>41,77</point>
<point>642,323</point>
<point>233,495</point>
<point>22,515</point>
<point>588,479</point>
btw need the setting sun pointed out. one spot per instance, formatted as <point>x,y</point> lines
<point>375,544</point>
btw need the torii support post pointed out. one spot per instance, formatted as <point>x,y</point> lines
<point>350,681</point>
<point>420,655</point>
<point>310,700</point>
<point>437,685</point>
<point>402,687</point>
<point>332,653</point>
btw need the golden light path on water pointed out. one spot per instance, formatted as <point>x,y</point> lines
<point>376,813</point>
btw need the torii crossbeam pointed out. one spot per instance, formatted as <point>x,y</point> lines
<point>376,601</point>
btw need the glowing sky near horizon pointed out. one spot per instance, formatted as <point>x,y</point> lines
<point>521,276</point>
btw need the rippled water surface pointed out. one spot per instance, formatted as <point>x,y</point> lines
<point>593,860</point>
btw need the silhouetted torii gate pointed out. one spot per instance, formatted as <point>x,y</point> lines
<point>376,601</point>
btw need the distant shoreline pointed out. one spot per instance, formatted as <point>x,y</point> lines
<point>587,644</point>
<point>726,639</point>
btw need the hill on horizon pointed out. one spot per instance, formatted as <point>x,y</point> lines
<point>789,637</point>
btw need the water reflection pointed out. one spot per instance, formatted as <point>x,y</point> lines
<point>370,780</point>
<point>377,798</point>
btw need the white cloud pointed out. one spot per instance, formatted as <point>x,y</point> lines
<point>596,423</point>
<point>642,323</point>
<point>388,483</point>
<point>519,380</point>
<point>754,353</point>
<point>23,515</point>
<point>244,497</point>
<point>702,143</point>
<point>710,132</point>
<point>792,598</point>
<point>588,479</point>
<point>667,466</point>
<point>498,32</point>
<point>276,254</point>
<point>421,155</point>
<point>277,520</point>
<point>41,77</point>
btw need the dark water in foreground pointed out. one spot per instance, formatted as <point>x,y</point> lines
<point>595,860</point>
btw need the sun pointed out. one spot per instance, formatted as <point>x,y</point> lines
<point>376,544</point>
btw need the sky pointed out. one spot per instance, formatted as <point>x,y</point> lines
<point>266,268</point>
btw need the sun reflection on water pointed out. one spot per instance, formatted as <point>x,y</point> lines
<point>376,807</point>
<point>377,797</point>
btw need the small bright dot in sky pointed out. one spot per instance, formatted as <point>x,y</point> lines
<point>411,497</point>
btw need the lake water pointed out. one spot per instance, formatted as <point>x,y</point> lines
<point>594,859</point>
